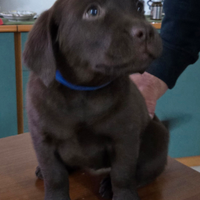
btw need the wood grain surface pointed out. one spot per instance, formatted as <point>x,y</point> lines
<point>8,28</point>
<point>18,181</point>
<point>24,28</point>
<point>190,161</point>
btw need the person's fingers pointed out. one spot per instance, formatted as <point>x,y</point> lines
<point>136,78</point>
<point>151,107</point>
<point>151,87</point>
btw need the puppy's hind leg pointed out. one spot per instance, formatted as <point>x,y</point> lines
<point>153,152</point>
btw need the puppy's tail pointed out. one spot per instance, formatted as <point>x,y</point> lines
<point>176,121</point>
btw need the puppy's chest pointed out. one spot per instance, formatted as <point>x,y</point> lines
<point>86,149</point>
<point>88,106</point>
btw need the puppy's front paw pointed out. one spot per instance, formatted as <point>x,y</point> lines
<point>126,195</point>
<point>38,173</point>
<point>106,188</point>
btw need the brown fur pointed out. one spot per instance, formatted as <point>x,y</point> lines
<point>109,127</point>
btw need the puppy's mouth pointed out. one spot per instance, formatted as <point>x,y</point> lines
<point>136,65</point>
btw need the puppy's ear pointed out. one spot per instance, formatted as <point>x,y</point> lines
<point>38,55</point>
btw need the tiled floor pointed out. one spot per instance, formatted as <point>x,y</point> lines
<point>197,168</point>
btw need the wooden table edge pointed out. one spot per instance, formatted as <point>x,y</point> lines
<point>156,25</point>
<point>27,28</point>
<point>8,28</point>
<point>24,28</point>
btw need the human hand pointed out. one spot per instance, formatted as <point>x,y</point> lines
<point>151,87</point>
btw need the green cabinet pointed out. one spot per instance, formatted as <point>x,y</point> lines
<point>25,75</point>
<point>8,105</point>
<point>181,105</point>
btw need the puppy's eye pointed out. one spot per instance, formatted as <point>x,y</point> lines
<point>93,12</point>
<point>140,6</point>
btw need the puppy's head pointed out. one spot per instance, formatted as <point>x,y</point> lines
<point>86,39</point>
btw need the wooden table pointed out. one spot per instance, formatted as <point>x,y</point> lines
<point>18,181</point>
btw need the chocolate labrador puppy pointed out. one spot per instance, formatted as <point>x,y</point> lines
<point>83,110</point>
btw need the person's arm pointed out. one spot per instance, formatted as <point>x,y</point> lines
<point>180,34</point>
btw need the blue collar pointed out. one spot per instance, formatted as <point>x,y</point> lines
<point>61,80</point>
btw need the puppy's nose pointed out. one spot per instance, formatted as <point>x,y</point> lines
<point>139,33</point>
<point>142,32</point>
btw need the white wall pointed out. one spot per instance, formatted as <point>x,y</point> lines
<point>146,8</point>
<point>31,5</point>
